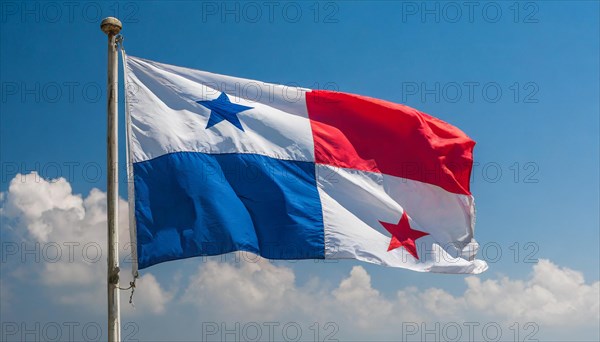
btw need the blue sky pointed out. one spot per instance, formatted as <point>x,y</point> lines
<point>520,78</point>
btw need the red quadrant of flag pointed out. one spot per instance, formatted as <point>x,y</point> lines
<point>358,132</point>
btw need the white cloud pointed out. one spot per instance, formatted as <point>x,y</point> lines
<point>68,234</point>
<point>553,295</point>
<point>29,198</point>
<point>244,288</point>
<point>355,295</point>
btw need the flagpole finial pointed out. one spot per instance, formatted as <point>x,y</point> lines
<point>111,25</point>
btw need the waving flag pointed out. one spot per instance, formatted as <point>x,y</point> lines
<point>226,164</point>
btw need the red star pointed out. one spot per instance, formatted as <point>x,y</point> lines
<point>403,235</point>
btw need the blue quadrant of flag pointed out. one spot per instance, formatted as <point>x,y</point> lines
<point>220,203</point>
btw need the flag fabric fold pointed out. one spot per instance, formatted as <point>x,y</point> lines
<point>225,164</point>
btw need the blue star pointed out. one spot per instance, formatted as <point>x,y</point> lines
<point>222,109</point>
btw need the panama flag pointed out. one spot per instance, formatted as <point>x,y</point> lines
<point>223,164</point>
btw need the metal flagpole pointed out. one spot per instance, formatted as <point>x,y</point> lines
<point>112,26</point>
